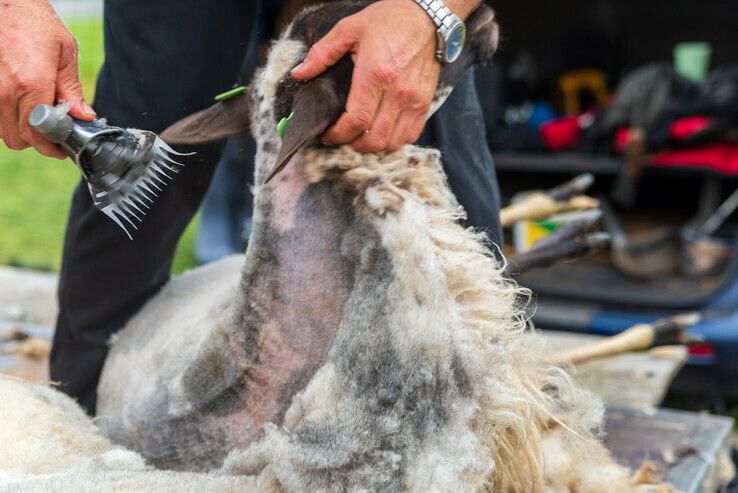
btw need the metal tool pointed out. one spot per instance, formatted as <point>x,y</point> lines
<point>703,253</point>
<point>572,240</point>
<point>124,168</point>
<point>651,255</point>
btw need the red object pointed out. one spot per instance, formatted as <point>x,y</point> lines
<point>561,134</point>
<point>621,139</point>
<point>701,350</point>
<point>686,127</point>
<point>722,158</point>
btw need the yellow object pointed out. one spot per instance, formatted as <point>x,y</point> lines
<point>574,82</point>
<point>534,231</point>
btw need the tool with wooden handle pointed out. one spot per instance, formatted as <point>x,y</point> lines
<point>640,337</point>
<point>539,205</point>
<point>124,168</point>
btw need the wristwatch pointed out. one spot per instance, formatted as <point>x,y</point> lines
<point>451,31</point>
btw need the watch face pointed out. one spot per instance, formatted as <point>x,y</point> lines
<point>455,42</point>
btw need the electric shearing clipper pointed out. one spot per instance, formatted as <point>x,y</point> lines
<point>124,168</point>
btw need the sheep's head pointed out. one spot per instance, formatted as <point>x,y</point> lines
<point>315,104</point>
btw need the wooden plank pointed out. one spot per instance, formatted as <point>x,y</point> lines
<point>683,445</point>
<point>635,380</point>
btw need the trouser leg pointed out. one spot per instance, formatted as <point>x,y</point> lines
<point>226,209</point>
<point>164,60</point>
<point>457,130</point>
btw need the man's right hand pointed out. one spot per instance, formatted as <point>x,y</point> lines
<point>38,64</point>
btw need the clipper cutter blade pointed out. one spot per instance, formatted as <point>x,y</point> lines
<point>124,168</point>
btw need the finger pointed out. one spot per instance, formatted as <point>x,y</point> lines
<point>328,50</point>
<point>43,95</point>
<point>382,129</point>
<point>417,106</point>
<point>9,127</point>
<point>418,126</point>
<point>68,86</point>
<point>401,135</point>
<point>361,108</point>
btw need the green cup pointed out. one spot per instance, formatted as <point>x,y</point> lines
<point>692,60</point>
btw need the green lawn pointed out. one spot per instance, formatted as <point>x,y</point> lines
<point>35,190</point>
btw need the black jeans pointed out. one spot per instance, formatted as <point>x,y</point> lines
<point>164,60</point>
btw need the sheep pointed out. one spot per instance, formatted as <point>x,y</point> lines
<point>48,443</point>
<point>369,342</point>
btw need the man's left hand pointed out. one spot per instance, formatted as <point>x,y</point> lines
<point>392,44</point>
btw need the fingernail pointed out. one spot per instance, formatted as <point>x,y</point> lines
<point>297,68</point>
<point>88,109</point>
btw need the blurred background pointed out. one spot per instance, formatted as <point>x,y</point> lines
<point>644,95</point>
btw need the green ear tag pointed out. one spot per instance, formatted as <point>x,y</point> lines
<point>282,125</point>
<point>230,93</point>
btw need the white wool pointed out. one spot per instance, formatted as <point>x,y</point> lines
<point>123,460</point>
<point>281,59</point>
<point>464,303</point>
<point>567,470</point>
<point>48,443</point>
<point>56,435</point>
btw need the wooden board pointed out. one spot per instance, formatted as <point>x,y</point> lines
<point>684,445</point>
<point>634,380</point>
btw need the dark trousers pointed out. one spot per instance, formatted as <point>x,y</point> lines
<point>164,60</point>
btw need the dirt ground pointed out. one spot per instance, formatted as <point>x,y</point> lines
<point>27,312</point>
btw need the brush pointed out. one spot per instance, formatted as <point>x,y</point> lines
<point>124,168</point>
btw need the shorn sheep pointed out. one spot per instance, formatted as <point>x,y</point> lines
<point>369,342</point>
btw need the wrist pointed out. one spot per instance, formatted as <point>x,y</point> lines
<point>450,29</point>
<point>27,12</point>
<point>420,17</point>
<point>26,4</point>
<point>462,8</point>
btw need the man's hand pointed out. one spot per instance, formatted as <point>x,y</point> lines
<point>38,64</point>
<point>393,45</point>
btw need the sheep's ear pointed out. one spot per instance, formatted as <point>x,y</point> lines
<point>316,106</point>
<point>220,121</point>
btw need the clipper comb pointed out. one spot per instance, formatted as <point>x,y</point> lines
<point>124,168</point>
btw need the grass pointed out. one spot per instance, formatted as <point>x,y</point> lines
<point>35,191</point>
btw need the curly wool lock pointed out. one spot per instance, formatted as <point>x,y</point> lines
<point>519,403</point>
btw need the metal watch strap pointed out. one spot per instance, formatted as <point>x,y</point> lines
<point>438,11</point>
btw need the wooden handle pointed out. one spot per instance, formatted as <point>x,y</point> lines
<point>534,205</point>
<point>640,337</point>
<point>637,338</point>
<point>539,205</point>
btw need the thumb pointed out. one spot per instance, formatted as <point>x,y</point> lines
<point>328,50</point>
<point>68,86</point>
